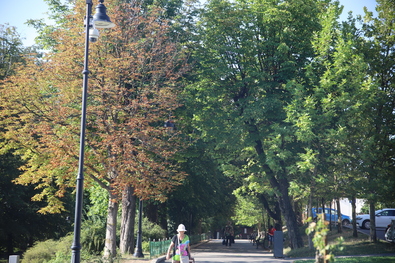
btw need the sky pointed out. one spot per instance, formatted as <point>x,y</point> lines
<point>17,12</point>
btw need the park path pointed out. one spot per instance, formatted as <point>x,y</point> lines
<point>242,251</point>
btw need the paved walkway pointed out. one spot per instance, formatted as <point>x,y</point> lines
<point>242,251</point>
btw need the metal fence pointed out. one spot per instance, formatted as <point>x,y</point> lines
<point>157,248</point>
<point>194,239</point>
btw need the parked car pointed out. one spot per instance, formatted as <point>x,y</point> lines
<point>383,218</point>
<point>330,216</point>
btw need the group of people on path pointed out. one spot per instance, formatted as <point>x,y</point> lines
<point>257,238</point>
<point>229,235</point>
<point>179,250</point>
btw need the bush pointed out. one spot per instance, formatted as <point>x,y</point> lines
<point>51,251</point>
<point>151,230</point>
<point>92,241</point>
<point>145,246</point>
<point>44,252</point>
<point>93,234</point>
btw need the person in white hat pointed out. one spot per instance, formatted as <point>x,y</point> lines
<point>181,247</point>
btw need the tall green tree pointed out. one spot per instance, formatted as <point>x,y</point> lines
<point>59,10</point>
<point>326,109</point>
<point>345,114</point>
<point>378,125</point>
<point>20,224</point>
<point>204,201</point>
<point>11,50</point>
<point>247,52</point>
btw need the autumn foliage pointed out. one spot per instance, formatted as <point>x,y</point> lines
<point>133,85</point>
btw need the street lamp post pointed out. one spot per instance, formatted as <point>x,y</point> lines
<point>101,20</point>
<point>139,250</point>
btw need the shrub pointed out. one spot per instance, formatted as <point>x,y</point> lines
<point>93,234</point>
<point>145,246</point>
<point>44,252</point>
<point>151,230</point>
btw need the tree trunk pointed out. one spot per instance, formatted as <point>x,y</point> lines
<point>126,244</point>
<point>310,215</point>
<point>282,185</point>
<point>330,215</point>
<point>354,216</point>
<point>278,222</point>
<point>373,236</point>
<point>289,215</point>
<point>110,244</point>
<point>298,212</point>
<point>275,213</point>
<point>339,217</point>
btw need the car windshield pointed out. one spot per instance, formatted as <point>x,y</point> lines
<point>378,212</point>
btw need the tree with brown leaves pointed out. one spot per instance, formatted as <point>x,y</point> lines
<point>135,70</point>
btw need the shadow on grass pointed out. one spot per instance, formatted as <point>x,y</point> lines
<point>351,246</point>
<point>357,260</point>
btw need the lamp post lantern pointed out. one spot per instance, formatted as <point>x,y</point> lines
<point>101,20</point>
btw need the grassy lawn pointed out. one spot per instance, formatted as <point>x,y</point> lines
<point>357,260</point>
<point>350,247</point>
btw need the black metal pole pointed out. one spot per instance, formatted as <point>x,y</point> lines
<point>76,247</point>
<point>139,249</point>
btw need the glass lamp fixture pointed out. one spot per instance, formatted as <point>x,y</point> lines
<point>101,19</point>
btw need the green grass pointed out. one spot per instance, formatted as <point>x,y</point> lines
<point>356,260</point>
<point>351,246</point>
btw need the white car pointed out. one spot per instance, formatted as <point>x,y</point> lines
<point>383,218</point>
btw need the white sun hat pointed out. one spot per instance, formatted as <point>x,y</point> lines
<point>181,227</point>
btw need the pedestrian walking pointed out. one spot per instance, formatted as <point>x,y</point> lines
<point>229,234</point>
<point>181,247</point>
<point>271,235</point>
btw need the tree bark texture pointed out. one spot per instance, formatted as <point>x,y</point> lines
<point>339,217</point>
<point>126,244</point>
<point>298,208</point>
<point>287,210</point>
<point>354,216</point>
<point>282,186</point>
<point>373,235</point>
<point>310,215</point>
<point>110,244</point>
<point>275,213</point>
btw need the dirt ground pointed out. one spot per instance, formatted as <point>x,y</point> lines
<point>136,260</point>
